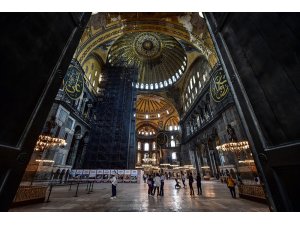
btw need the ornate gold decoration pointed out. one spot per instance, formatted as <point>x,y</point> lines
<point>73,82</point>
<point>147,45</point>
<point>160,59</point>
<point>234,146</point>
<point>219,86</point>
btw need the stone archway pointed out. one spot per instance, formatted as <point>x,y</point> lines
<point>74,146</point>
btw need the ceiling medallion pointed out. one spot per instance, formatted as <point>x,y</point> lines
<point>147,45</point>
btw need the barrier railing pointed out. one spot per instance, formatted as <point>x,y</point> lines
<point>89,186</point>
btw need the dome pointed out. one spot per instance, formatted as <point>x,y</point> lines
<point>153,105</point>
<point>160,59</point>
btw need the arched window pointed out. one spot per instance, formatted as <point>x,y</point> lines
<point>173,143</point>
<point>139,145</point>
<point>146,146</point>
<point>153,145</point>
<point>174,157</point>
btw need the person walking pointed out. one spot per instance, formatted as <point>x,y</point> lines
<point>183,176</point>
<point>231,186</point>
<point>162,182</point>
<point>156,184</point>
<point>191,180</point>
<point>114,183</point>
<point>199,189</point>
<point>150,185</point>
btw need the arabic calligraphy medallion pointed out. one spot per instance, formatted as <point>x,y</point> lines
<point>219,86</point>
<point>73,82</point>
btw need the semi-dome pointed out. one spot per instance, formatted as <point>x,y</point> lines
<point>160,59</point>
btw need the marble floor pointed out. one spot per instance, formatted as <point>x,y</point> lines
<point>134,198</point>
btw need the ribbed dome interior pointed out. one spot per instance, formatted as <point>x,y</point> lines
<point>160,59</point>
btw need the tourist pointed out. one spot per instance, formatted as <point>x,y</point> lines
<point>144,177</point>
<point>162,182</point>
<point>150,185</point>
<point>114,182</point>
<point>183,176</point>
<point>198,179</point>
<point>156,184</point>
<point>231,185</point>
<point>191,180</point>
<point>177,185</point>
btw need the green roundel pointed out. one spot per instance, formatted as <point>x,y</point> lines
<point>73,82</point>
<point>218,86</point>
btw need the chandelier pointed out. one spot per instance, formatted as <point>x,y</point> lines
<point>45,142</point>
<point>234,146</point>
<point>148,160</point>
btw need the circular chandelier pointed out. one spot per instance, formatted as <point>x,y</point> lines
<point>45,141</point>
<point>160,59</point>
<point>234,146</point>
<point>149,160</point>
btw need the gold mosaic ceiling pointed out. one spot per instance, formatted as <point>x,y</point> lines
<point>152,104</point>
<point>159,58</point>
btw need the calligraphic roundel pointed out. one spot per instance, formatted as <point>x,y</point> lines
<point>219,87</point>
<point>73,82</point>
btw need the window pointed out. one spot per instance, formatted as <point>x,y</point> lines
<point>137,85</point>
<point>90,76</point>
<point>153,145</point>
<point>147,86</point>
<point>158,115</point>
<point>170,81</point>
<point>174,78</point>
<point>100,77</point>
<point>156,85</point>
<point>62,115</point>
<point>204,77</point>
<point>151,86</point>
<point>165,83</point>
<point>170,128</point>
<point>70,123</point>
<point>198,74</point>
<point>96,73</point>
<point>146,146</point>
<point>194,79</point>
<point>168,112</point>
<point>199,84</point>
<point>94,83</point>
<point>191,83</point>
<point>147,116</point>
<point>174,157</point>
<point>172,143</point>
<point>161,85</point>
<point>139,145</point>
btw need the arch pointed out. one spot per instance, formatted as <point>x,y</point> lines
<point>117,30</point>
<point>74,146</point>
<point>78,162</point>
